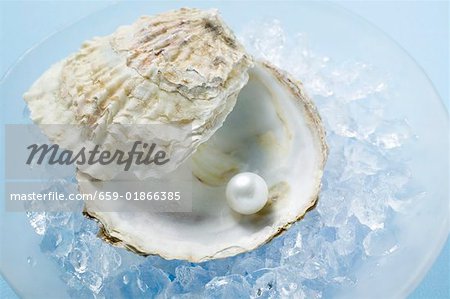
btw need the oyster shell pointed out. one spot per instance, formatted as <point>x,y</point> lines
<point>185,70</point>
<point>273,130</point>
<point>181,70</point>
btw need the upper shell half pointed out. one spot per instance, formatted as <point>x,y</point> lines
<point>175,75</point>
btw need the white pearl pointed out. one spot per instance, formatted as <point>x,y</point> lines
<point>247,193</point>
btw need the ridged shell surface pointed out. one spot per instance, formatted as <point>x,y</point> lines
<point>180,71</point>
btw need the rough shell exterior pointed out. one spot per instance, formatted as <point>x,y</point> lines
<point>181,69</point>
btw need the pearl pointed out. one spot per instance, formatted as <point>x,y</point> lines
<point>247,193</point>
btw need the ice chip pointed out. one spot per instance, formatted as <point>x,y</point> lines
<point>38,220</point>
<point>370,210</point>
<point>191,278</point>
<point>247,265</point>
<point>264,284</point>
<point>392,134</point>
<point>93,281</point>
<point>380,242</point>
<point>232,286</point>
<point>268,45</point>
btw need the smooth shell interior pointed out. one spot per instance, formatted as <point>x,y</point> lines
<point>274,131</point>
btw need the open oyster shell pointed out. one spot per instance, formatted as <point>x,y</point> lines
<point>184,69</point>
<point>179,73</point>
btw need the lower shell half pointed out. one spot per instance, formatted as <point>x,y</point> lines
<point>275,131</point>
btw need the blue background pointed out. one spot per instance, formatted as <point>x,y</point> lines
<point>420,27</point>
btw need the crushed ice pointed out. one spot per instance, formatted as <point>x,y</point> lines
<point>363,188</point>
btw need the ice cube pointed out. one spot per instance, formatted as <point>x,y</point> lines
<point>93,281</point>
<point>246,265</point>
<point>392,134</point>
<point>231,286</point>
<point>38,221</point>
<point>263,284</point>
